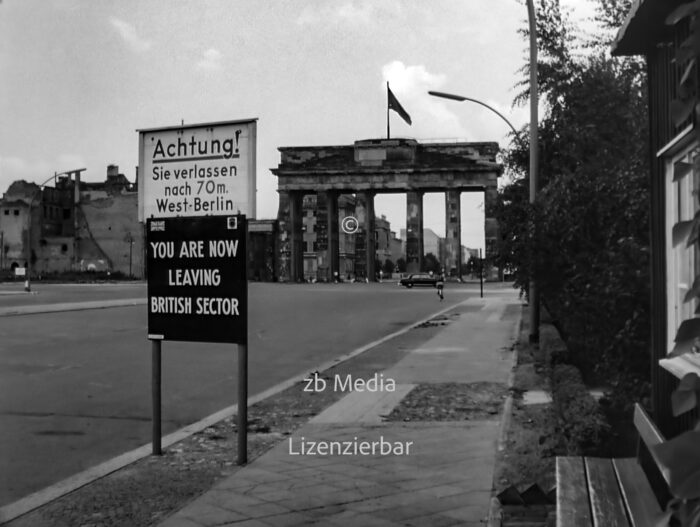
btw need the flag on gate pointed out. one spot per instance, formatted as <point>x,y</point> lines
<point>395,105</point>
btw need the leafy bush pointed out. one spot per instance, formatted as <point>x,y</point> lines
<point>580,425</point>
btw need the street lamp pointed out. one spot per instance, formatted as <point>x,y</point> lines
<point>27,282</point>
<point>534,182</point>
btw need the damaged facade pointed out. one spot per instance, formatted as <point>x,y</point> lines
<point>56,229</point>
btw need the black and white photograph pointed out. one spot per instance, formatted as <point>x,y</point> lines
<point>350,263</point>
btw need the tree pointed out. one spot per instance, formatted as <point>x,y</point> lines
<point>589,251</point>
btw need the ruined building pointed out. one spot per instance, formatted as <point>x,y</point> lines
<point>56,229</point>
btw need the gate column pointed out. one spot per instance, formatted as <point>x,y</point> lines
<point>414,232</point>
<point>453,233</point>
<point>296,263</point>
<point>490,226</point>
<point>333,234</point>
<point>370,227</point>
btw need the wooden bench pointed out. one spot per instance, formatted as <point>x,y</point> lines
<point>609,492</point>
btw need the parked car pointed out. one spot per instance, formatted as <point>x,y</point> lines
<point>419,279</point>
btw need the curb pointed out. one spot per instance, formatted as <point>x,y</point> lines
<point>494,519</point>
<point>72,306</point>
<point>37,499</point>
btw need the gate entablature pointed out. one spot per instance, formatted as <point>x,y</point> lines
<point>373,166</point>
<point>389,165</point>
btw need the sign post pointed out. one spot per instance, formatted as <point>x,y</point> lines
<point>242,404</point>
<point>155,397</point>
<point>481,275</point>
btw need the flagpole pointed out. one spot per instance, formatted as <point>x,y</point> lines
<point>388,132</point>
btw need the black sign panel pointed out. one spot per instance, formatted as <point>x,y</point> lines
<point>197,288</point>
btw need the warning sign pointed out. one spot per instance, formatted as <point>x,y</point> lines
<point>197,170</point>
<point>197,287</point>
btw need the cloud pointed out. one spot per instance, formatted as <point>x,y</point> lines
<point>211,60</point>
<point>128,33</point>
<point>15,168</point>
<point>360,13</point>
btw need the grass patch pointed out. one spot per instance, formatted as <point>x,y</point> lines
<point>450,401</point>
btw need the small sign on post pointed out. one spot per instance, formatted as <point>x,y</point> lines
<point>197,284</point>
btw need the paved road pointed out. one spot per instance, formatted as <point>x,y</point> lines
<point>75,385</point>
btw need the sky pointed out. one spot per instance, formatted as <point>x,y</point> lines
<point>79,77</point>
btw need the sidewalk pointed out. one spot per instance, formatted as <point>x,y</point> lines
<point>421,473</point>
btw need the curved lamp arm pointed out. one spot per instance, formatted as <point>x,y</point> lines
<point>463,98</point>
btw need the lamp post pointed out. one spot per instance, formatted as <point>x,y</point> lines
<point>533,293</point>
<point>27,281</point>
<point>130,240</point>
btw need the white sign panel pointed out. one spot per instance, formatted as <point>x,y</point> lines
<point>197,170</point>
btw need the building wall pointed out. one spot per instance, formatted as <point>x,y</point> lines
<point>662,78</point>
<point>431,243</point>
<point>13,232</point>
<point>54,254</point>
<point>646,34</point>
<point>110,236</point>
<point>263,248</point>
<point>396,248</point>
<point>14,221</point>
<point>382,240</point>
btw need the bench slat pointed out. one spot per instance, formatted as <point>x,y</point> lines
<point>636,491</point>
<point>650,435</point>
<point>646,427</point>
<point>607,507</point>
<point>573,509</point>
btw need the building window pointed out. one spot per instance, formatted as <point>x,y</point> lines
<point>66,214</point>
<point>7,212</point>
<point>682,262</point>
<point>16,211</point>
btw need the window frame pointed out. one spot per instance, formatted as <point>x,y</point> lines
<point>682,263</point>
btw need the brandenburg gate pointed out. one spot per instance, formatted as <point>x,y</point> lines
<point>373,166</point>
